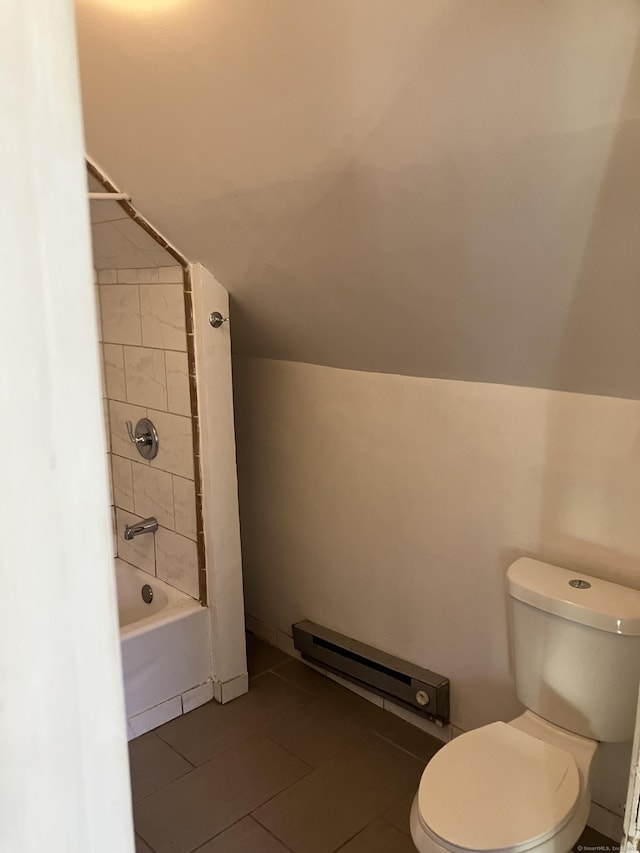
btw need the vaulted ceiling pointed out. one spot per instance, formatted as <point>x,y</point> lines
<point>447,188</point>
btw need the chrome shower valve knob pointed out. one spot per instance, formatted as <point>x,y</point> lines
<point>145,438</point>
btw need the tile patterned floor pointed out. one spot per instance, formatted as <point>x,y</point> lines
<point>298,765</point>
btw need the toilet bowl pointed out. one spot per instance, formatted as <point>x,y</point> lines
<point>525,785</point>
<point>518,786</point>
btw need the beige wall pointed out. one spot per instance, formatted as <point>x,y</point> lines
<point>145,369</point>
<point>445,188</point>
<point>389,508</point>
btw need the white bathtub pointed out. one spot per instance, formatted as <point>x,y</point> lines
<point>166,655</point>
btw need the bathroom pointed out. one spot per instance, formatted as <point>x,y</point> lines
<point>426,219</point>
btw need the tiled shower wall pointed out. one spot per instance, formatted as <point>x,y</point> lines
<point>144,353</point>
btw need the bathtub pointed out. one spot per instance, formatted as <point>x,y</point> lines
<point>166,655</point>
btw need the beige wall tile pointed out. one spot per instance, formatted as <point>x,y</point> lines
<point>120,314</point>
<point>170,275</point>
<point>178,396</point>
<point>119,414</point>
<point>158,256</point>
<point>140,239</point>
<point>176,561</point>
<point>122,483</point>
<point>175,453</point>
<point>145,376</point>
<point>163,319</point>
<point>140,551</point>
<point>114,371</point>
<point>153,494</point>
<point>184,502</point>
<point>147,275</point>
<point>107,276</point>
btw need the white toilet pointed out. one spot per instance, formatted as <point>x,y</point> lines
<point>525,785</point>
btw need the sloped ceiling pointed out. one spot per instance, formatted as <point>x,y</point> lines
<point>447,188</point>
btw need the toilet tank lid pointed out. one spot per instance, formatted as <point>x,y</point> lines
<point>593,602</point>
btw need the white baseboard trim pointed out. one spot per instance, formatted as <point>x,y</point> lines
<point>197,696</point>
<point>265,632</point>
<point>607,822</point>
<point>443,733</point>
<point>285,643</point>
<point>227,691</point>
<point>150,719</point>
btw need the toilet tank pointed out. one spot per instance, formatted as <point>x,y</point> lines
<point>576,649</point>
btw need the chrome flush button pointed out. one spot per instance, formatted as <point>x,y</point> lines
<point>579,584</point>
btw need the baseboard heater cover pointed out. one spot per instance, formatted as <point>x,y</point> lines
<point>408,685</point>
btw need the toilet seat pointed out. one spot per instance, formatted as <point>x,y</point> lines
<point>497,788</point>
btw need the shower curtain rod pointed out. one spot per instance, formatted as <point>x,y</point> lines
<point>109,197</point>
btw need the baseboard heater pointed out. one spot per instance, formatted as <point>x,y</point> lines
<point>405,683</point>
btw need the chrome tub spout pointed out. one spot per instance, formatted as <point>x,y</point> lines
<point>147,525</point>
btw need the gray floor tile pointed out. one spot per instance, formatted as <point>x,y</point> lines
<point>399,811</point>
<point>186,813</point>
<point>337,800</point>
<point>355,706</point>
<point>262,657</point>
<point>406,736</point>
<point>306,677</point>
<point>141,847</point>
<point>379,837</point>
<point>153,764</point>
<point>213,728</point>
<point>320,730</point>
<point>246,836</point>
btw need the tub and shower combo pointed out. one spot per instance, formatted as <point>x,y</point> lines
<point>166,652</point>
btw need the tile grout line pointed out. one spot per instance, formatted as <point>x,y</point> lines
<point>350,839</point>
<point>177,751</point>
<point>192,767</point>
<point>292,683</point>
<point>235,823</point>
<point>289,752</point>
<point>212,757</point>
<point>386,820</point>
<point>136,833</point>
<point>400,748</point>
<point>143,346</point>
<point>166,784</point>
<point>268,831</point>
<point>362,829</point>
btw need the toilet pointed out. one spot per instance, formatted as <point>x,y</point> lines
<point>525,784</point>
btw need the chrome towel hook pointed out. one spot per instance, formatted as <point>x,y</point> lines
<point>216,319</point>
